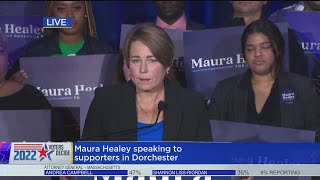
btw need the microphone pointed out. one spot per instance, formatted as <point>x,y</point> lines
<point>162,106</point>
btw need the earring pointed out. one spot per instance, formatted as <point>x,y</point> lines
<point>85,16</point>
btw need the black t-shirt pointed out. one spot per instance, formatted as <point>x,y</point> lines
<point>25,99</point>
<point>30,98</point>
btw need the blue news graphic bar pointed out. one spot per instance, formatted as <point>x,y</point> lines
<point>86,172</point>
<point>195,153</point>
<point>222,172</point>
<point>57,22</point>
<point>194,172</point>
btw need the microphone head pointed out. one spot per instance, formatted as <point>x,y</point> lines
<point>162,106</point>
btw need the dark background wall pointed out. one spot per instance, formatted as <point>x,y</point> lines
<point>110,15</point>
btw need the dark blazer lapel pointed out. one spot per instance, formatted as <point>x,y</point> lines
<point>241,102</point>
<point>173,114</point>
<point>241,99</point>
<point>128,115</point>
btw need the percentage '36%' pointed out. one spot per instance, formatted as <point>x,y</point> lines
<point>243,172</point>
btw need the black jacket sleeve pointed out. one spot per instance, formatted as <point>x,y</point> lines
<point>204,131</point>
<point>93,128</point>
<point>216,101</point>
<point>313,113</point>
<point>39,101</point>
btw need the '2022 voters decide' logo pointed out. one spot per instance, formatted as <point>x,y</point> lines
<point>40,153</point>
<point>31,152</point>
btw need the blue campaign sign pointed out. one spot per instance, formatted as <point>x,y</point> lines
<point>220,59</point>
<point>307,31</point>
<point>57,22</point>
<point>19,31</point>
<point>195,153</point>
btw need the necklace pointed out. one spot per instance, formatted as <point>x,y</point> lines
<point>145,112</point>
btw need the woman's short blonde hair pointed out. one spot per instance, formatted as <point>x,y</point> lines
<point>155,38</point>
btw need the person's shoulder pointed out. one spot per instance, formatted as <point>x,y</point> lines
<point>39,101</point>
<point>38,46</point>
<point>100,47</point>
<point>302,84</point>
<point>186,94</point>
<point>231,81</point>
<point>42,40</point>
<point>297,79</point>
<point>32,91</point>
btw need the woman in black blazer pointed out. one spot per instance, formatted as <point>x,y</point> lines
<point>149,107</point>
<point>265,95</point>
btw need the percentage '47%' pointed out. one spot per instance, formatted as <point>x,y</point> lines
<point>134,172</point>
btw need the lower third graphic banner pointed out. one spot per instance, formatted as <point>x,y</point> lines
<point>161,158</point>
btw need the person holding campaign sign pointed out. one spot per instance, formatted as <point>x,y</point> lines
<point>78,40</point>
<point>264,94</point>
<point>14,95</point>
<point>150,107</point>
<point>304,61</point>
<point>17,96</point>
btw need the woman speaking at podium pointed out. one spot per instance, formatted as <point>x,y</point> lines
<point>150,107</point>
